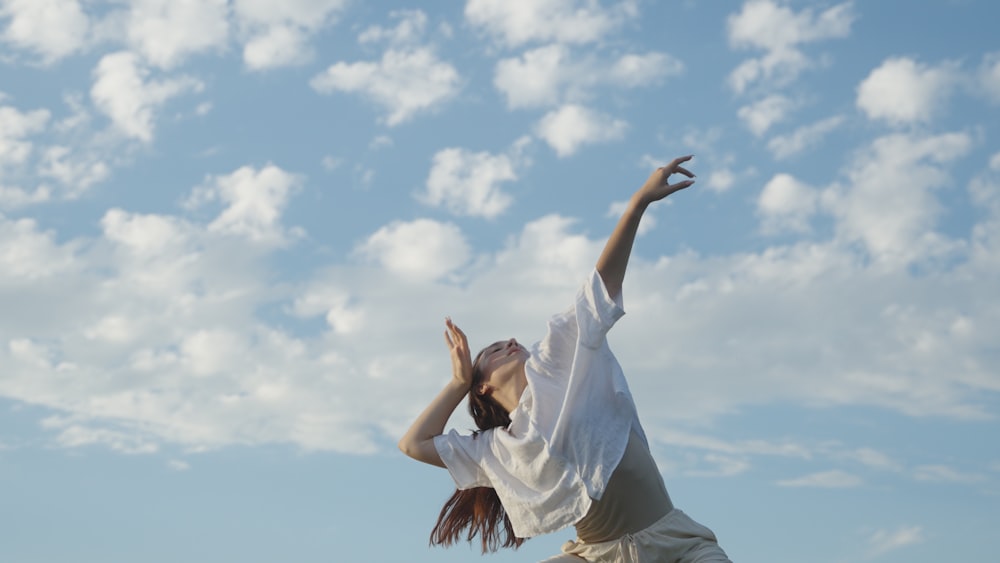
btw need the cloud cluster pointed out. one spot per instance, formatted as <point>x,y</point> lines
<point>902,90</point>
<point>782,33</point>
<point>159,337</point>
<point>409,78</point>
<point>177,328</point>
<point>122,91</point>
<point>571,126</point>
<point>166,33</point>
<point>35,165</point>
<point>515,24</point>
<point>277,33</point>
<point>553,75</point>
<point>52,29</point>
<point>769,26</point>
<point>254,203</point>
<point>469,183</point>
<point>421,250</point>
<point>883,541</point>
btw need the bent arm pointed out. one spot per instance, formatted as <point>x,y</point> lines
<point>614,258</point>
<point>418,442</point>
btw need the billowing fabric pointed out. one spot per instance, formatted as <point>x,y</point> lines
<point>675,538</point>
<point>569,430</point>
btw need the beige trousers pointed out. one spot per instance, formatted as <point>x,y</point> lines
<point>675,538</point>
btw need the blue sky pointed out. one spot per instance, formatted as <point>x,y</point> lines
<point>230,233</point>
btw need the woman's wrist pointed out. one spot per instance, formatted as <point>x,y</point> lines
<point>637,204</point>
<point>457,387</point>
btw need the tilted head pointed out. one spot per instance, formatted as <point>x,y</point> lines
<point>497,382</point>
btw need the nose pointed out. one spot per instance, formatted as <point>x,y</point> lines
<point>512,342</point>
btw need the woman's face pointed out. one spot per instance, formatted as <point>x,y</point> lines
<point>501,362</point>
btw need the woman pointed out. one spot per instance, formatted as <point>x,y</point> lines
<point>560,441</point>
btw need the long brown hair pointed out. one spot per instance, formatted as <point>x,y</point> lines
<point>479,508</point>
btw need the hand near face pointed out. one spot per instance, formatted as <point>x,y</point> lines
<point>461,358</point>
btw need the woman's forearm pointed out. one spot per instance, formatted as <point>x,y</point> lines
<point>613,261</point>
<point>418,442</point>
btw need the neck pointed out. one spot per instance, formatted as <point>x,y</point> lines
<point>509,395</point>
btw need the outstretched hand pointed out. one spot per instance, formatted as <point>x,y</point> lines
<point>658,184</point>
<point>461,358</point>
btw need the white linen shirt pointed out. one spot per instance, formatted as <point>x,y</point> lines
<point>569,430</point>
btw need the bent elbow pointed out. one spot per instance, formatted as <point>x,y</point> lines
<point>405,446</point>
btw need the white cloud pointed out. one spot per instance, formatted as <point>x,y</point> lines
<point>277,33</point>
<point>145,236</point>
<point>548,254</point>
<point>331,163</point>
<point>872,458</point>
<point>276,46</point>
<point>720,180</point>
<point>550,75</point>
<point>571,126</point>
<point>780,32</point>
<point>75,436</point>
<point>883,541</point>
<point>123,92</point>
<point>254,199</point>
<point>28,254</point>
<point>380,142</point>
<point>686,440</point>
<point>946,474</point>
<point>786,203</point>
<point>915,344</point>
<point>16,148</point>
<point>403,82</point>
<point>12,197</point>
<point>784,146</point>
<point>989,76</point>
<point>15,127</point>
<point>468,183</point>
<point>26,167</point>
<point>762,114</point>
<point>336,304</point>
<point>984,189</point>
<point>420,250</point>
<point>833,479</point>
<point>178,465</point>
<point>212,352</point>
<point>52,28</point>
<point>716,465</point>
<point>165,32</point>
<point>888,204</point>
<point>533,79</point>
<point>77,173</point>
<point>562,21</point>
<point>902,91</point>
<point>410,29</point>
<point>634,69</point>
<point>308,14</point>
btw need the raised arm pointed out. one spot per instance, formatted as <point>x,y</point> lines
<point>418,442</point>
<point>614,259</point>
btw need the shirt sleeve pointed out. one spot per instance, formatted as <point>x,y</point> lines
<point>596,311</point>
<point>586,322</point>
<point>463,455</point>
